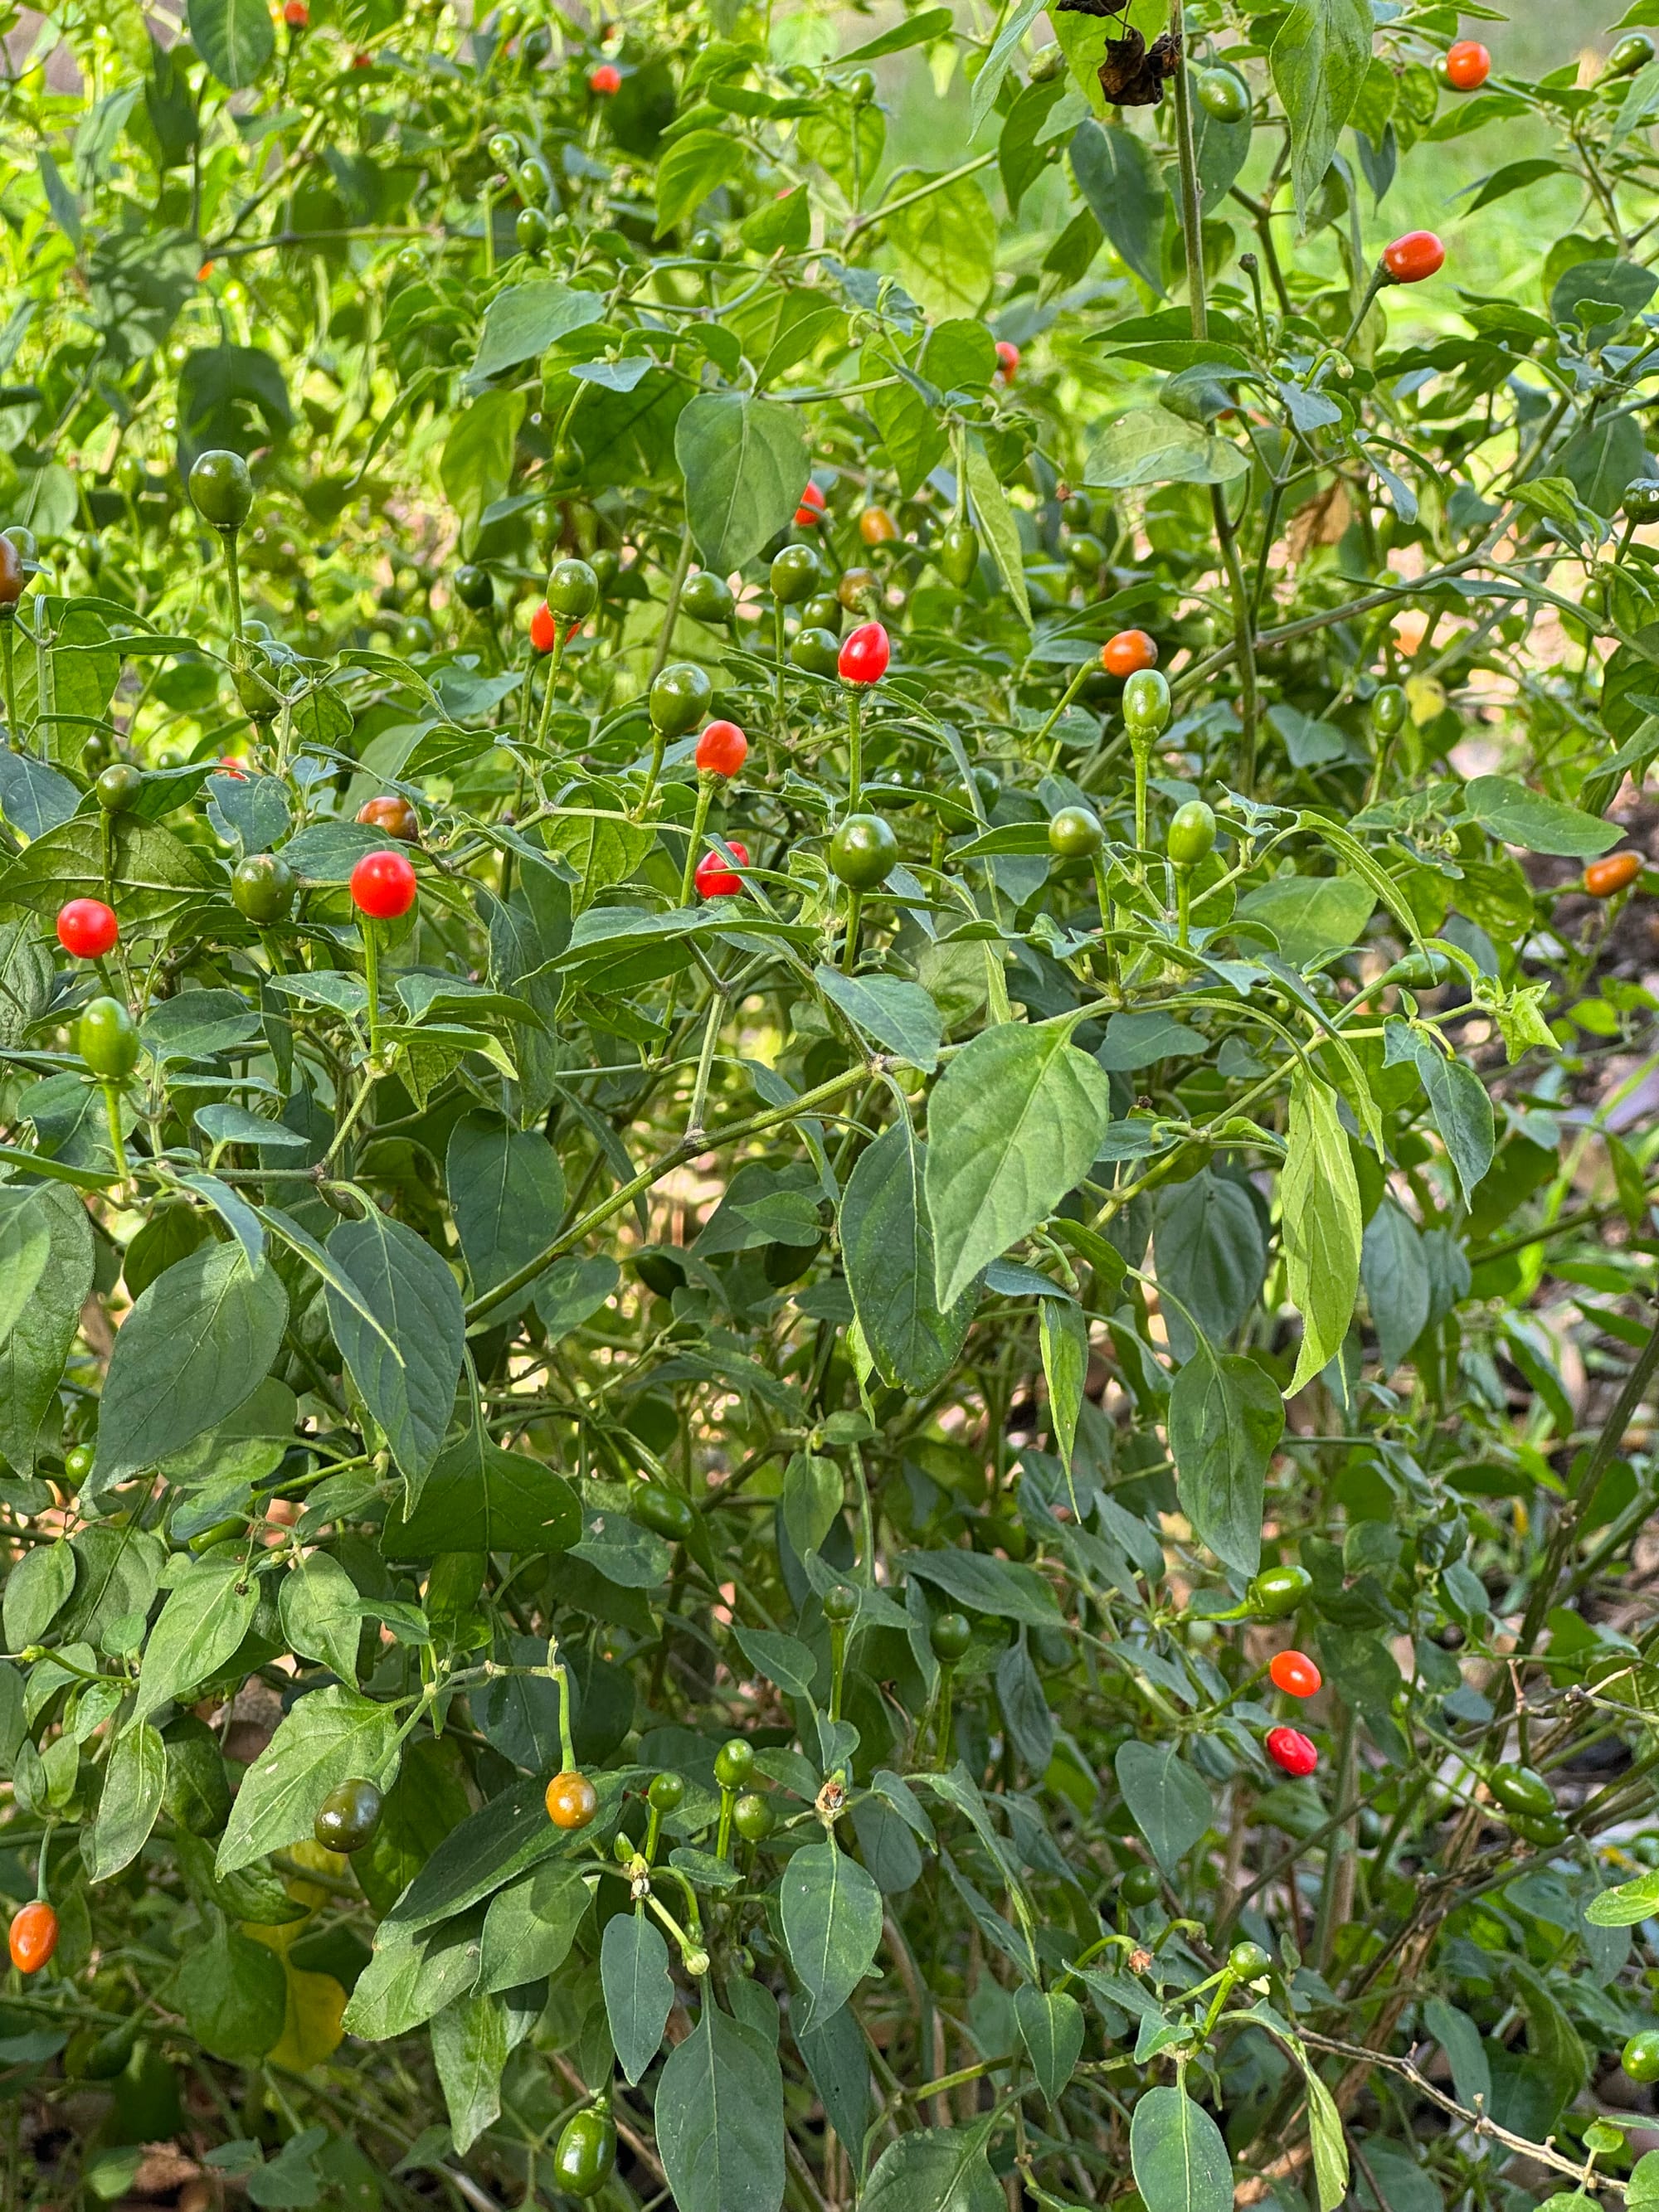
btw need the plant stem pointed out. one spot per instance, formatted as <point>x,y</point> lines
<point>694,846</point>
<point>854,748</point>
<point>1192,221</point>
<point>1379,278</point>
<point>233,585</point>
<point>850,950</point>
<point>555,659</point>
<point>672,610</point>
<point>1243,638</point>
<point>113,1111</point>
<point>372,979</point>
<point>8,623</point>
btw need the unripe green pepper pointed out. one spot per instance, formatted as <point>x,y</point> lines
<point>679,698</point>
<point>796,573</point>
<point>572,590</point>
<point>117,787</point>
<point>862,852</point>
<point>221,488</point>
<point>1276,1592</point>
<point>106,1038</point>
<point>261,888</point>
<point>1075,833</point>
<point>1191,835</point>
<point>1389,707</point>
<point>1146,703</point>
<point>959,554</point>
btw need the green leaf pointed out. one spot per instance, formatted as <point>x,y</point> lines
<point>196,1346</point>
<point>530,1926</point>
<point>1050,2025</point>
<point>469,2050</point>
<point>1320,1224</point>
<point>1623,288</point>
<point>1119,179</point>
<point>155,874</point>
<point>332,1736</point>
<point>1225,1419</point>
<point>34,1349</point>
<point>412,1976</point>
<point>321,1619</point>
<point>1168,1803</point>
<point>1063,1331</point>
<point>486,1500</point>
<point>831,1913</point>
<point>494,1846</point>
<point>1465,2049</point>
<point>720,2118</point>
<point>1014,1125</point>
<point>1151,447</point>
<point>782,1659</point>
<point>204,1619</point>
<point>230,396</point>
<point>692,169</point>
<point>1330,2145</point>
<point>996,520</point>
<point>1396,1274</point>
<point>234,37</point>
<point>901,1016</point>
<point>837,2059</point>
<point>507,1191</point>
<point>37,1589</point>
<point>1180,2160</point>
<point>1513,176</point>
<point>1601,460</point>
<point>985,1584</point>
<point>1462,1113</point>
<point>128,1803</point>
<point>935,2170</point>
<point>476,466</point>
<point>945,247</point>
<point>997,63</point>
<point>1628,1905</point>
<point>1310,915</point>
<point>639,1989</point>
<point>919,30</point>
<point>1212,1257</point>
<point>887,1247</point>
<point>408,1383</point>
<point>232,1993</point>
<point>1516,815</point>
<point>745,461</point>
<point>523,321</point>
<point>1319,57</point>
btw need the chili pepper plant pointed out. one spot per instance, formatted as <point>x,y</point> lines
<point>827,1074</point>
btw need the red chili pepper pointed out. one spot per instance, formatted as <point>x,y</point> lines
<point>1294,1672</point>
<point>715,879</point>
<point>87,928</point>
<point>1468,64</point>
<point>34,1937</point>
<point>1129,652</point>
<point>865,656</point>
<point>1603,878</point>
<point>1412,258</point>
<point>383,885</point>
<point>722,750</point>
<point>1289,1748</point>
